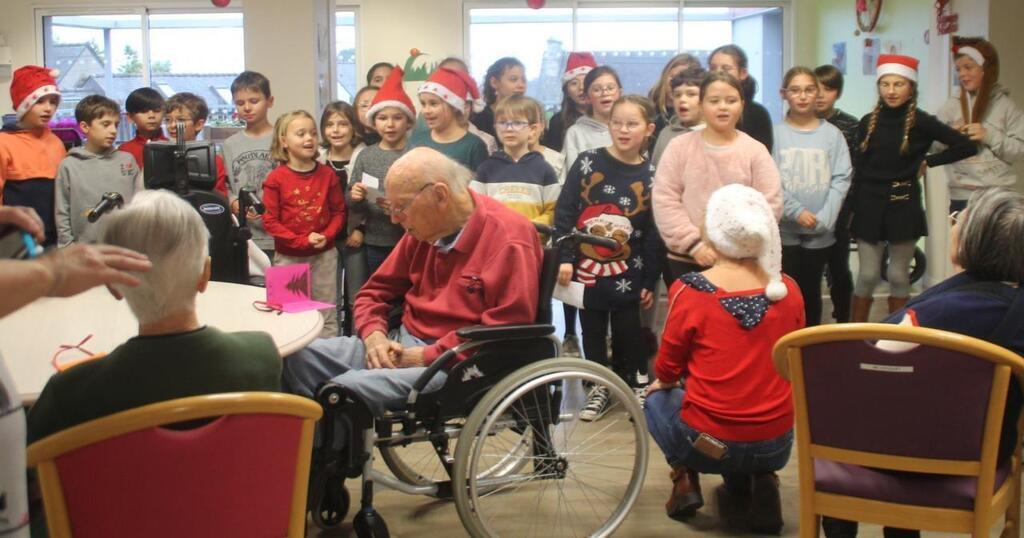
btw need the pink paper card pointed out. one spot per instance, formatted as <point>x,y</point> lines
<point>288,286</point>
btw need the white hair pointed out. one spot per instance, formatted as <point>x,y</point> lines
<point>168,230</point>
<point>424,165</point>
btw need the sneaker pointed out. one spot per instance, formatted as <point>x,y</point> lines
<point>598,404</point>
<point>570,346</point>
<point>641,395</point>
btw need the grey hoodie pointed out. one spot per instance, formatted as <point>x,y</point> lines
<point>1002,146</point>
<point>82,179</point>
<point>674,128</point>
<point>586,133</point>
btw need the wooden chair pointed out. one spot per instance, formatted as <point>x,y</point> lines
<point>905,439</point>
<point>243,471</point>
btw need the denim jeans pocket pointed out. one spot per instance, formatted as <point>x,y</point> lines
<point>700,462</point>
<point>774,454</point>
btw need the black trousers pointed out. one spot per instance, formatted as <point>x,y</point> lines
<point>37,194</point>
<point>806,266</point>
<point>840,279</point>
<point>629,351</point>
<point>841,528</point>
<point>570,318</point>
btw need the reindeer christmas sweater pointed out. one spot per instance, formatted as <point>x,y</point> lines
<point>606,197</point>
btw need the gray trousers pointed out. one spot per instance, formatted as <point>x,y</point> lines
<point>870,271</point>
<point>343,360</point>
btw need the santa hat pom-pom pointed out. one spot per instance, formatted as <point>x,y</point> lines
<point>55,73</point>
<point>775,290</point>
<point>479,105</point>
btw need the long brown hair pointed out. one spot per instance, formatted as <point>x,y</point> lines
<point>661,92</point>
<point>908,121</point>
<point>977,113</point>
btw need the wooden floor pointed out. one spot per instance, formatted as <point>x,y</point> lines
<point>412,516</point>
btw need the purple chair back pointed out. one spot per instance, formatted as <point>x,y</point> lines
<point>926,402</point>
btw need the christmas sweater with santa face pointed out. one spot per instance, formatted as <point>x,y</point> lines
<point>606,197</point>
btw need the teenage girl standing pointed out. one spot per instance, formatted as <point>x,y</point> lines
<point>893,145</point>
<point>815,166</point>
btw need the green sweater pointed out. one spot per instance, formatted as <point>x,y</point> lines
<point>150,369</point>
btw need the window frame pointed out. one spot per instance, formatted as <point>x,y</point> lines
<point>360,62</point>
<point>788,8</point>
<point>142,11</point>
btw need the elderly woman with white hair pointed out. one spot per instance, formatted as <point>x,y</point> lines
<point>735,416</point>
<point>174,355</point>
<point>984,300</point>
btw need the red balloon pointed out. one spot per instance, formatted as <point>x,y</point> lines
<point>221,3</point>
<point>535,4</point>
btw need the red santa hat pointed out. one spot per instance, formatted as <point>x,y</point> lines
<point>897,64</point>
<point>454,87</point>
<point>391,94</point>
<point>30,84</point>
<point>579,63</point>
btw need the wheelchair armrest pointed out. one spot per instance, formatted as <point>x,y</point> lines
<point>500,332</point>
<point>409,423</point>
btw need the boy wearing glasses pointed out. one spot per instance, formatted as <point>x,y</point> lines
<point>191,110</point>
<point>516,176</point>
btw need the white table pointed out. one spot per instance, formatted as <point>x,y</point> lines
<point>30,337</point>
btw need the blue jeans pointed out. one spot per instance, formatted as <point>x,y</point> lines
<point>343,360</point>
<point>741,460</point>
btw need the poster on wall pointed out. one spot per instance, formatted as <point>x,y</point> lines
<point>839,56</point>
<point>892,46</point>
<point>872,48</point>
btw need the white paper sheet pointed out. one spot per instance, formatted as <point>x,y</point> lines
<point>572,294</point>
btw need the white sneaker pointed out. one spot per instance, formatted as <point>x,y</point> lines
<point>571,346</point>
<point>598,404</point>
<point>641,395</point>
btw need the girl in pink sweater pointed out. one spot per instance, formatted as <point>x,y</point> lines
<point>698,163</point>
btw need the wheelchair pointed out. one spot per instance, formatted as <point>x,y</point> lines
<point>501,438</point>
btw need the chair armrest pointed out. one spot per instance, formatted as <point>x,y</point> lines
<point>501,332</point>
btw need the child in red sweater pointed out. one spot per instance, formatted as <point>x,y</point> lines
<point>305,208</point>
<point>735,417</point>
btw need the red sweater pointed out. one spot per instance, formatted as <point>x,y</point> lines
<point>732,389</point>
<point>489,277</point>
<point>299,203</point>
<point>136,145</point>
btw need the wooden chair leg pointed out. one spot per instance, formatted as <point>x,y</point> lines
<point>810,523</point>
<point>1012,528</point>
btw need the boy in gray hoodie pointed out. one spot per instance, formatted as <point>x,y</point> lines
<point>686,101</point>
<point>90,171</point>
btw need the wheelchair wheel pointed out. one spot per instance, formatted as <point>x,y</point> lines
<point>418,464</point>
<point>330,502</point>
<point>579,478</point>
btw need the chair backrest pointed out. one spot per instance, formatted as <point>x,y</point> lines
<point>243,473</point>
<point>548,278</point>
<point>940,400</point>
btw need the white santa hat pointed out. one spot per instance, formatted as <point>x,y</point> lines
<point>740,224</point>
<point>897,64</point>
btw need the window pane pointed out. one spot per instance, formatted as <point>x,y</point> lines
<point>758,31</point>
<point>637,42</point>
<point>540,38</point>
<point>95,54</point>
<point>199,53</point>
<point>349,80</point>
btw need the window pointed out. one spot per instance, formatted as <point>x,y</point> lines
<point>113,54</point>
<point>349,79</point>
<point>637,41</point>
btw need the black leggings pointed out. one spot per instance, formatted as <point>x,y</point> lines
<point>806,265</point>
<point>840,279</point>
<point>629,351</point>
<point>570,318</point>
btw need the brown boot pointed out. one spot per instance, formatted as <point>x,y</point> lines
<point>861,307</point>
<point>686,498</point>
<point>896,303</point>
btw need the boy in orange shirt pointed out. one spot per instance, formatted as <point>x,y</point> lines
<point>30,153</point>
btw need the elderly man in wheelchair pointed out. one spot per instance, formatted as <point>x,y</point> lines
<point>466,363</point>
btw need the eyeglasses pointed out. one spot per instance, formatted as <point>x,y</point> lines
<point>512,125</point>
<point>627,125</point>
<point>601,90</point>
<point>399,210</point>
<point>793,92</point>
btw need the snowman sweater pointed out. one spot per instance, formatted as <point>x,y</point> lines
<point>607,197</point>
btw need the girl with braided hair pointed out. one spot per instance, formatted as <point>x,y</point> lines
<point>891,153</point>
<point>984,112</point>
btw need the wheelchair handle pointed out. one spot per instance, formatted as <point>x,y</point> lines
<point>576,238</point>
